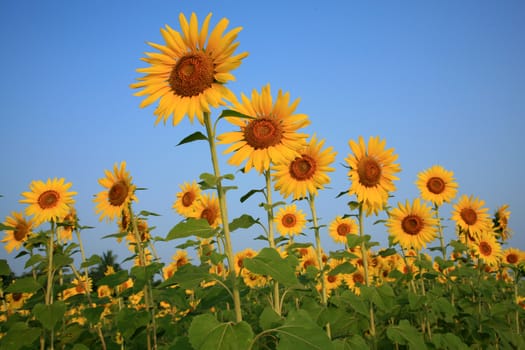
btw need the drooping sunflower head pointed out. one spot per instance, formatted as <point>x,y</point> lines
<point>487,248</point>
<point>22,228</point>
<point>119,192</point>
<point>307,173</point>
<point>471,216</point>
<point>187,199</point>
<point>188,74</point>
<point>501,222</point>
<point>67,224</point>
<point>208,208</point>
<point>270,135</point>
<point>48,200</point>
<point>372,172</point>
<point>437,185</point>
<point>290,220</point>
<point>341,227</point>
<point>412,225</point>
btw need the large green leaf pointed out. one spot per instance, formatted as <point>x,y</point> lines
<point>188,277</point>
<point>243,221</point>
<point>207,333</point>
<point>50,314</point>
<point>299,331</point>
<point>24,285</point>
<point>129,320</point>
<point>13,340</point>
<point>269,262</point>
<point>191,227</point>
<point>4,268</point>
<point>114,279</point>
<point>406,334</point>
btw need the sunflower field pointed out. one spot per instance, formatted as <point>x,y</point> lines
<point>419,292</point>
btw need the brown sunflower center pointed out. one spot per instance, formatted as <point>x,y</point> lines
<point>302,168</point>
<point>180,262</point>
<point>331,279</point>
<point>188,198</point>
<point>118,193</point>
<point>369,171</point>
<point>289,220</point>
<point>343,229</point>
<point>210,215</point>
<point>48,199</point>
<point>21,231</point>
<point>412,224</point>
<point>192,74</point>
<point>485,248</point>
<point>358,278</point>
<point>16,296</point>
<point>81,287</point>
<point>436,185</point>
<point>263,133</point>
<point>469,216</point>
<point>512,258</point>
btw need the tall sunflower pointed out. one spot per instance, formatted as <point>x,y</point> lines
<point>412,225</point>
<point>187,199</point>
<point>208,208</point>
<point>22,228</point>
<point>437,185</point>
<point>487,248</point>
<point>307,173</point>
<point>372,170</point>
<point>341,227</point>
<point>270,136</point>
<point>119,192</point>
<point>471,216</point>
<point>513,256</point>
<point>48,200</point>
<point>188,74</point>
<point>290,220</point>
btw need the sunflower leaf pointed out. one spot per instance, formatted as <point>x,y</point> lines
<point>196,136</point>
<point>230,113</point>
<point>191,227</point>
<point>249,194</point>
<point>269,262</point>
<point>23,285</point>
<point>243,221</point>
<point>206,332</point>
<point>4,268</point>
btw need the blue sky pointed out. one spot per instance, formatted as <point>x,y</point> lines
<point>442,81</point>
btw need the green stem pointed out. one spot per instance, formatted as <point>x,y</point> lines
<point>364,254</point>
<point>224,217</point>
<point>271,238</point>
<point>517,315</point>
<point>440,232</point>
<point>50,274</point>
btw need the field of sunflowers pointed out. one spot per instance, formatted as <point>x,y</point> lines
<point>419,292</point>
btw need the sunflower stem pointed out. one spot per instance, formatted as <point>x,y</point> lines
<point>364,254</point>
<point>221,194</point>
<point>50,273</point>
<point>440,232</point>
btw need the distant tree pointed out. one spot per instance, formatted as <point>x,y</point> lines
<point>107,259</point>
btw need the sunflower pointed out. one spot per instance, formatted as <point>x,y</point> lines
<point>501,222</point>
<point>306,173</point>
<point>513,256</point>
<point>187,199</point>
<point>208,208</point>
<point>437,185</point>
<point>271,133</point>
<point>355,280</point>
<point>67,225</point>
<point>341,227</point>
<point>239,259</point>
<point>290,220</point>
<point>487,248</point>
<point>372,170</point>
<point>254,280</point>
<point>48,200</point>
<point>470,215</point>
<point>412,225</point>
<point>22,228</point>
<point>187,76</point>
<point>119,192</point>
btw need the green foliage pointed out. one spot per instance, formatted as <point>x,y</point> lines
<point>207,333</point>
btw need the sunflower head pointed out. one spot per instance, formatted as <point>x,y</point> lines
<point>290,220</point>
<point>189,72</point>
<point>487,248</point>
<point>471,216</point>
<point>21,229</point>
<point>501,222</point>
<point>269,135</point>
<point>239,259</point>
<point>208,208</point>
<point>437,185</point>
<point>48,201</point>
<point>118,193</point>
<point>187,199</point>
<point>341,227</point>
<point>372,172</point>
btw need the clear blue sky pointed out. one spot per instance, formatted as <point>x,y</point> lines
<point>442,81</point>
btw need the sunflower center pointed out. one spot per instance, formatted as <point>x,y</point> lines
<point>16,296</point>
<point>289,220</point>
<point>358,278</point>
<point>436,185</point>
<point>412,224</point>
<point>263,133</point>
<point>369,171</point>
<point>485,248</point>
<point>512,258</point>
<point>21,231</point>
<point>343,229</point>
<point>302,168</point>
<point>117,193</point>
<point>48,199</point>
<point>187,199</point>
<point>209,215</point>
<point>331,279</point>
<point>81,287</point>
<point>180,262</point>
<point>469,216</point>
<point>192,74</point>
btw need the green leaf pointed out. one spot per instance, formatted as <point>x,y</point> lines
<point>188,276</point>
<point>92,260</point>
<point>243,221</point>
<point>80,347</point>
<point>148,213</point>
<point>209,179</point>
<point>406,334</point>
<point>206,333</point>
<point>191,227</point>
<point>269,262</point>
<point>12,339</point>
<point>349,299</point>
<point>249,194</point>
<point>448,341</point>
<point>24,285</point>
<point>196,136</point>
<point>269,318</point>
<point>344,268</point>
<point>50,314</point>
<point>114,279</point>
<point>92,314</point>
<point>60,260</point>
<point>231,113</point>
<point>299,331</point>
<point>4,268</point>
<point>129,320</point>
